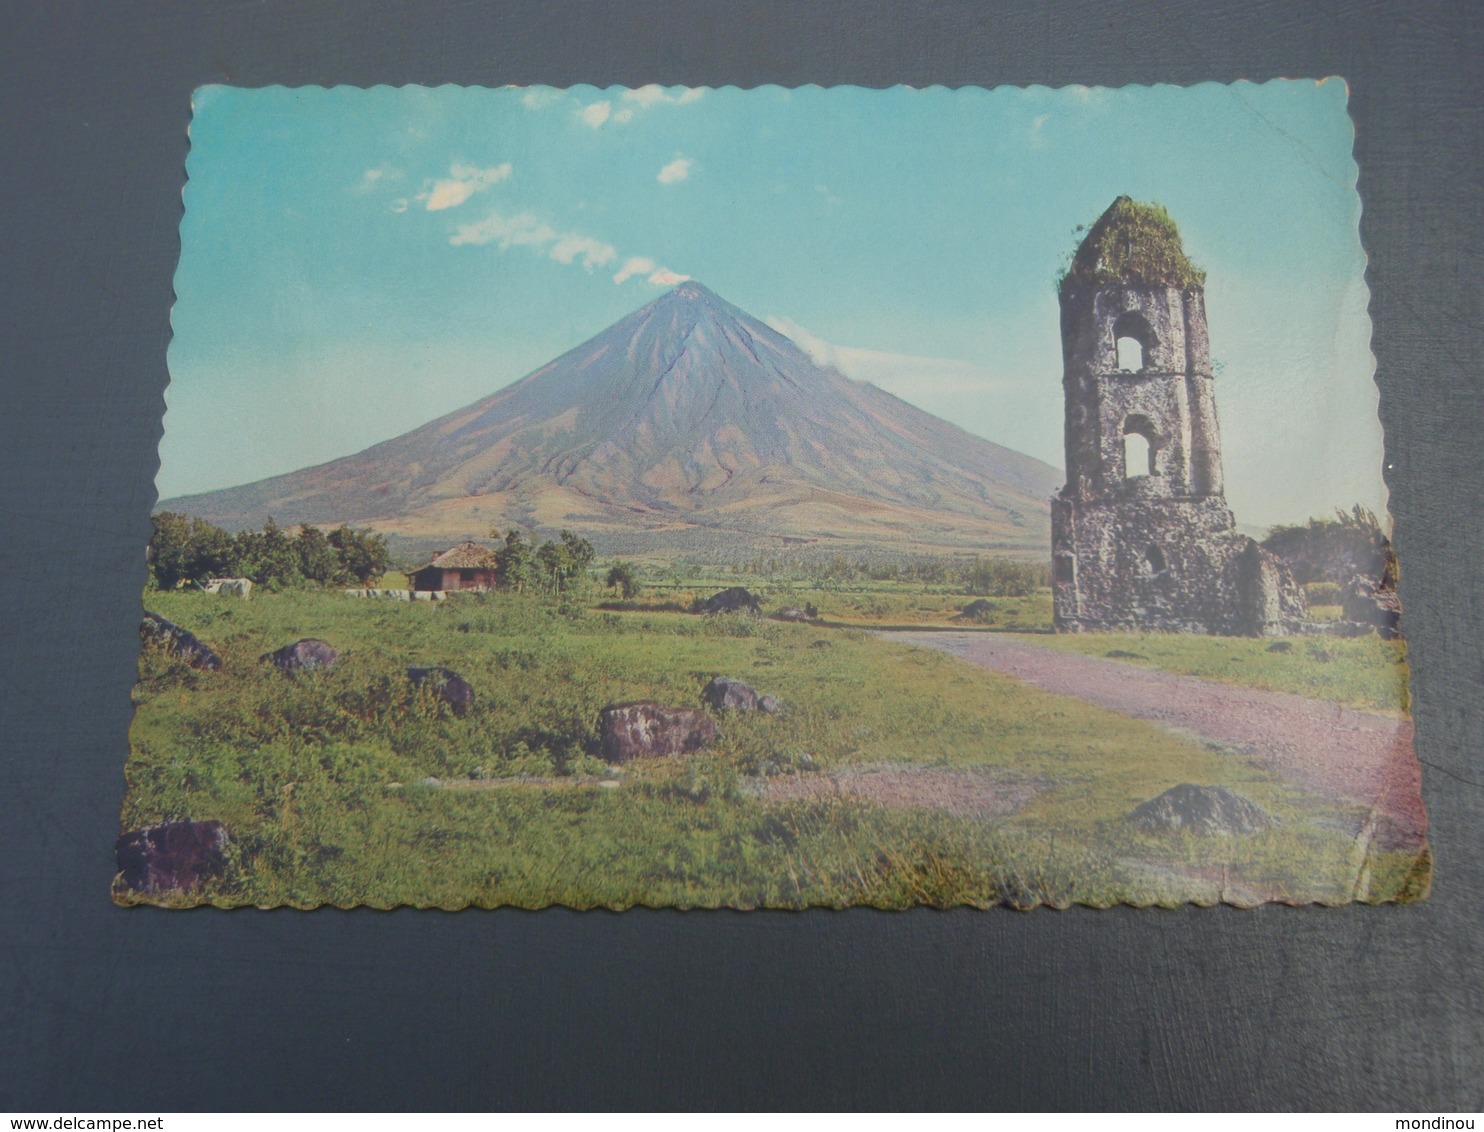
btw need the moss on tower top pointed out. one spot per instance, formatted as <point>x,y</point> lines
<point>1134,244</point>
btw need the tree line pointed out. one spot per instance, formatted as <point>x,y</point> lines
<point>983,577</point>
<point>184,548</point>
<point>553,567</point>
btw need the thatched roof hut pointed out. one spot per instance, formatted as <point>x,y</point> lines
<point>467,566</point>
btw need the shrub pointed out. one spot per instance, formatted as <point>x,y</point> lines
<point>1333,550</point>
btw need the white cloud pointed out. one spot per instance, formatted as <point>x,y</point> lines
<point>399,205</point>
<point>462,183</point>
<point>594,253</point>
<point>596,113</point>
<point>677,170</point>
<point>654,94</point>
<point>508,231</point>
<point>525,229</point>
<point>624,116</point>
<point>634,265</point>
<point>647,96</point>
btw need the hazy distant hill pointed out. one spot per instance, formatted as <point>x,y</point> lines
<point>687,426</point>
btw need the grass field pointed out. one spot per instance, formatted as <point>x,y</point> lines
<point>1362,672</point>
<point>350,788</point>
<point>866,605</point>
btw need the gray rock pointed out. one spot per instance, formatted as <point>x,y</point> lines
<point>451,688</point>
<point>735,599</point>
<point>793,613</point>
<point>1202,810</point>
<point>307,654</point>
<point>725,693</point>
<point>155,630</point>
<point>172,856</point>
<point>769,704</point>
<point>646,730</point>
<point>975,611</point>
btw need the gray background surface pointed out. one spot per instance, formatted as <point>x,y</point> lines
<point>110,1009</point>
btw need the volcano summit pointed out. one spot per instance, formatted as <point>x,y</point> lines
<point>687,426</point>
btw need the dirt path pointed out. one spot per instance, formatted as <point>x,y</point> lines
<point>1353,756</point>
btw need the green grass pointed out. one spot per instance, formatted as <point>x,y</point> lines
<point>1362,672</point>
<point>318,777</point>
<point>866,604</point>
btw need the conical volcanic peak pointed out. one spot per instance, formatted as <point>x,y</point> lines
<point>688,423</point>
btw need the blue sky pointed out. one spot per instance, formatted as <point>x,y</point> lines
<point>356,262</point>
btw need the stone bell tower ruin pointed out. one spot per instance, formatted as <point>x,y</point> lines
<point>1141,536</point>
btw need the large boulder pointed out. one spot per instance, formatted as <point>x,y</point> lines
<point>166,635</point>
<point>1202,810</point>
<point>304,655</point>
<point>725,693</point>
<point>976,610</point>
<point>173,856</point>
<point>734,599</point>
<point>449,687</point>
<point>647,729</point>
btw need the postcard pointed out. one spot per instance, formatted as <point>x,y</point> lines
<point>771,499</point>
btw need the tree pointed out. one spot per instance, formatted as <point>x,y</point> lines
<point>579,552</point>
<point>363,555</point>
<point>275,561</point>
<point>560,564</point>
<point>318,561</point>
<point>170,550</point>
<point>514,564</point>
<point>621,577</point>
<point>213,553</point>
<point>183,548</point>
<point>551,565</point>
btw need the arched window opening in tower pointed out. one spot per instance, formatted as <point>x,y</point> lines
<point>1154,562</point>
<point>1133,341</point>
<point>1139,448</point>
<point>1130,355</point>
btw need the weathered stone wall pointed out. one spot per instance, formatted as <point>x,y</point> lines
<point>1172,565</point>
<point>1152,547</point>
<point>1173,392</point>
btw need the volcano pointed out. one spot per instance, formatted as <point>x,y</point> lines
<point>688,426</point>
